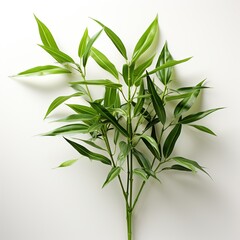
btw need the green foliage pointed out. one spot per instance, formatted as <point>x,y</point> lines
<point>138,120</point>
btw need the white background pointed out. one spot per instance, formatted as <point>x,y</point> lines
<point>39,203</point>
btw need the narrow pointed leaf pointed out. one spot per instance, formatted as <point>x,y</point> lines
<point>171,140</point>
<point>197,116</point>
<point>71,128</point>
<point>85,152</point>
<point>140,101</point>
<point>128,74</point>
<point>46,35</point>
<point>67,163</point>
<point>83,43</point>
<point>104,62</point>
<point>177,167</point>
<point>189,164</point>
<point>152,145</point>
<point>203,129</point>
<point>115,39</point>
<point>165,74</point>
<point>141,173</point>
<point>44,70</point>
<point>146,40</point>
<point>82,109</point>
<point>91,143</point>
<point>157,101</point>
<point>107,115</point>
<point>60,56</point>
<point>77,118</point>
<point>177,97</point>
<point>109,96</point>
<point>115,171</point>
<point>142,160</point>
<point>187,102</point>
<point>88,47</point>
<point>58,101</point>
<point>103,82</point>
<point>124,150</point>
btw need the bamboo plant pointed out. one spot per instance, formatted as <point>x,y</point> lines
<point>133,128</point>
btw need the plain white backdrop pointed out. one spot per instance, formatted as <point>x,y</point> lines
<point>39,203</point>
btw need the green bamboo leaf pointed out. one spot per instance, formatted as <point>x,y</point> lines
<point>177,97</point>
<point>142,68</point>
<point>190,89</point>
<point>91,143</point>
<point>67,163</point>
<point>124,150</point>
<point>151,123</point>
<point>77,118</point>
<point>151,144</point>
<point>128,77</point>
<point>109,96</point>
<point>71,128</point>
<point>142,160</point>
<point>177,167</point>
<point>114,38</point>
<point>116,136</point>
<point>189,164</point>
<point>60,100</point>
<point>144,112</point>
<point>83,43</point>
<point>88,47</point>
<point>145,40</point>
<point>43,70</point>
<point>85,152</point>
<point>140,101</point>
<point>82,109</point>
<point>164,75</point>
<point>117,102</point>
<point>103,82</point>
<point>106,114</point>
<point>188,101</point>
<point>203,129</point>
<point>171,140</point>
<point>157,101</point>
<point>141,173</point>
<point>104,62</point>
<point>197,116</point>
<point>46,35</point>
<point>115,171</point>
<point>60,56</point>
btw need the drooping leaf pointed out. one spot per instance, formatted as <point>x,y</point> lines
<point>189,164</point>
<point>203,129</point>
<point>107,115</point>
<point>157,101</point>
<point>67,163</point>
<point>124,150</point>
<point>82,109</point>
<point>145,40</point>
<point>165,74</point>
<point>151,145</point>
<point>142,160</point>
<point>115,39</point>
<point>58,101</point>
<point>44,70</point>
<point>171,140</point>
<point>85,152</point>
<point>91,143</point>
<point>141,173</point>
<point>46,35</point>
<point>103,82</point>
<point>177,167</point>
<point>115,171</point>
<point>197,116</point>
<point>104,62</point>
<point>60,56</point>
<point>83,43</point>
<point>88,47</point>
<point>177,97</point>
<point>71,128</point>
<point>188,101</point>
<point>140,101</point>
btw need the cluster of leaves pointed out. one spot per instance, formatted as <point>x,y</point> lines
<point>146,121</point>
